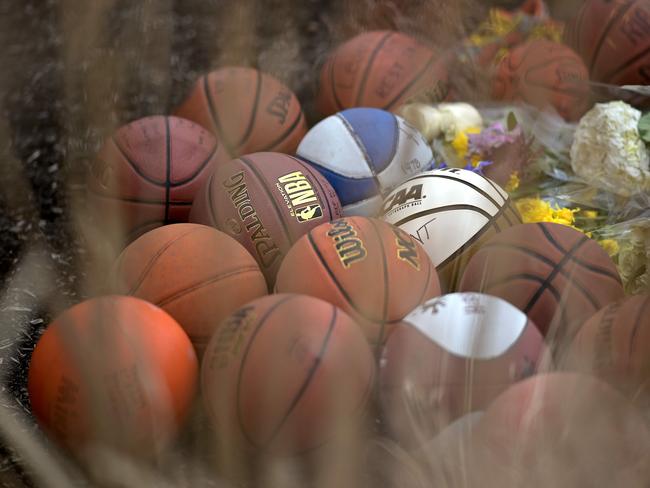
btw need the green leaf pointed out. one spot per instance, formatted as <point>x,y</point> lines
<point>511,122</point>
<point>644,128</point>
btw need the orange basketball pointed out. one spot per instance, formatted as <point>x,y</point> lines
<point>113,372</point>
<point>543,73</point>
<point>147,173</point>
<point>195,273</point>
<point>249,111</point>
<point>284,374</point>
<point>379,69</point>
<point>374,271</point>
<point>613,38</point>
<point>615,345</point>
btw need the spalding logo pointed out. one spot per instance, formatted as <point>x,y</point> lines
<point>349,247</point>
<point>299,196</point>
<point>411,196</point>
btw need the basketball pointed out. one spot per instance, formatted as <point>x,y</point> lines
<point>553,273</point>
<point>283,374</point>
<point>544,73</point>
<point>363,153</point>
<point>248,110</point>
<point>451,212</point>
<point>452,356</point>
<point>613,38</point>
<point>371,270</point>
<point>113,372</point>
<point>147,174</point>
<point>559,429</point>
<point>195,273</point>
<point>266,201</point>
<point>613,344</point>
<point>379,69</point>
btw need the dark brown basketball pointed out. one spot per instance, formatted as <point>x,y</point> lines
<point>379,69</point>
<point>284,374</point>
<point>553,273</point>
<point>248,110</point>
<point>266,201</point>
<point>372,270</point>
<point>615,345</point>
<point>613,38</point>
<point>147,174</point>
<point>195,273</point>
<point>544,73</point>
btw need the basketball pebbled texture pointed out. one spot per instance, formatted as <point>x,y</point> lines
<point>284,374</point>
<point>378,69</point>
<point>266,201</point>
<point>248,110</point>
<point>614,345</point>
<point>613,38</point>
<point>553,273</point>
<point>451,212</point>
<point>371,270</point>
<point>364,153</point>
<point>195,273</point>
<point>544,73</point>
<point>147,174</point>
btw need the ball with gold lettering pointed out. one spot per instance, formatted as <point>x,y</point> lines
<point>266,201</point>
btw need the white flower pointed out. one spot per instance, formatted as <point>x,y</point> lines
<point>608,152</point>
<point>441,121</point>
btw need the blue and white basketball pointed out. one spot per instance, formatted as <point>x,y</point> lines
<point>364,153</point>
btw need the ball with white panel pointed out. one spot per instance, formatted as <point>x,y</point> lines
<point>364,153</point>
<point>452,356</point>
<point>451,212</point>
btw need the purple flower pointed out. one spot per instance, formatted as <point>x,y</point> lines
<point>492,137</point>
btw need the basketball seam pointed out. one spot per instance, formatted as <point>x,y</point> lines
<point>577,39</point>
<point>262,180</point>
<point>393,152</point>
<point>251,121</point>
<point>342,290</point>
<point>637,324</point>
<point>384,313</point>
<point>199,169</point>
<point>359,144</point>
<point>613,20</point>
<point>168,167</point>
<point>572,282</point>
<point>215,117</point>
<point>337,101</point>
<point>366,72</point>
<point>410,84</point>
<point>466,183</point>
<point>524,276</point>
<point>240,373</point>
<point>310,374</point>
<point>551,276</point>
<point>575,259</point>
<point>138,200</point>
<point>629,63</point>
<point>494,187</point>
<point>285,134</point>
<point>206,282</point>
<point>445,208</point>
<point>317,180</point>
<point>153,259</point>
<point>134,166</point>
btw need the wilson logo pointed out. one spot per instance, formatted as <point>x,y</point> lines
<point>406,248</point>
<point>299,196</point>
<point>349,247</point>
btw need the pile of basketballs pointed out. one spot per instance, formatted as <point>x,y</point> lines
<point>296,282</point>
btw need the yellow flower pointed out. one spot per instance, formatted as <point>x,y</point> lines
<point>461,141</point>
<point>513,182</point>
<point>610,246</point>
<point>589,214</point>
<point>534,210</point>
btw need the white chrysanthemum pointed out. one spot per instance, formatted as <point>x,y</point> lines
<point>608,151</point>
<point>441,121</point>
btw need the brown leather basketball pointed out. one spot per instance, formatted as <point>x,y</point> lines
<point>194,272</point>
<point>284,374</point>
<point>266,201</point>
<point>248,110</point>
<point>615,345</point>
<point>147,174</point>
<point>372,270</point>
<point>379,69</point>
<point>555,274</point>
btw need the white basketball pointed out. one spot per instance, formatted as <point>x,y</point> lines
<point>454,355</point>
<point>364,153</point>
<point>449,211</point>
